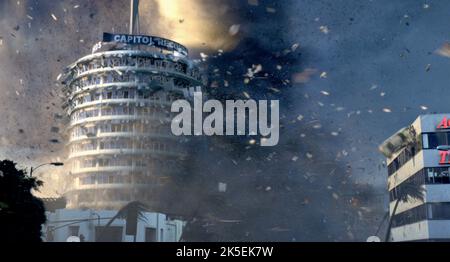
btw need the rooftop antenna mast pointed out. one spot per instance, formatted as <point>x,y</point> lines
<point>134,17</point>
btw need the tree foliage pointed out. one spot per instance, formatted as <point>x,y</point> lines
<point>21,213</point>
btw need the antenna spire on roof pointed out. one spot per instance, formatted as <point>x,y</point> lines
<point>134,17</point>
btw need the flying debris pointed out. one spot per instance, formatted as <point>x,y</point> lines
<point>444,50</point>
<point>295,46</point>
<point>222,187</point>
<point>270,10</point>
<point>304,76</point>
<point>203,56</point>
<point>396,142</point>
<point>234,29</point>
<point>324,29</point>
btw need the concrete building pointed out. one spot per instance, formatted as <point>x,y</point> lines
<point>120,145</point>
<point>418,160</point>
<point>119,97</point>
<point>90,226</point>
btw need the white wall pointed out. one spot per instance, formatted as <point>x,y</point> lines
<point>411,232</point>
<point>166,230</point>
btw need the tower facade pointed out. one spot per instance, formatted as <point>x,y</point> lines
<point>120,146</point>
<point>418,161</point>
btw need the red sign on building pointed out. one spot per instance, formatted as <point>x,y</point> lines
<point>444,124</point>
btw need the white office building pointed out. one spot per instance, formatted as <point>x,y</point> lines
<point>418,160</point>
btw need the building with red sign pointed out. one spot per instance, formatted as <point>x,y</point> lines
<point>418,160</point>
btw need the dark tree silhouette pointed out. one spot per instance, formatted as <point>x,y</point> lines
<point>409,190</point>
<point>21,213</point>
<point>131,212</point>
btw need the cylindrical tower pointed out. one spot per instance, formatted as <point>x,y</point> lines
<point>120,144</point>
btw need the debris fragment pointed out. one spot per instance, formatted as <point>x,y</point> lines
<point>222,187</point>
<point>324,29</point>
<point>203,56</point>
<point>335,196</point>
<point>234,29</point>
<point>444,50</point>
<point>304,76</point>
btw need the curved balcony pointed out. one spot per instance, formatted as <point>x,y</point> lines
<point>122,53</point>
<point>149,70</point>
<point>110,186</point>
<point>117,117</point>
<point>105,169</point>
<point>119,135</point>
<point>154,103</point>
<point>125,152</point>
<point>118,85</point>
